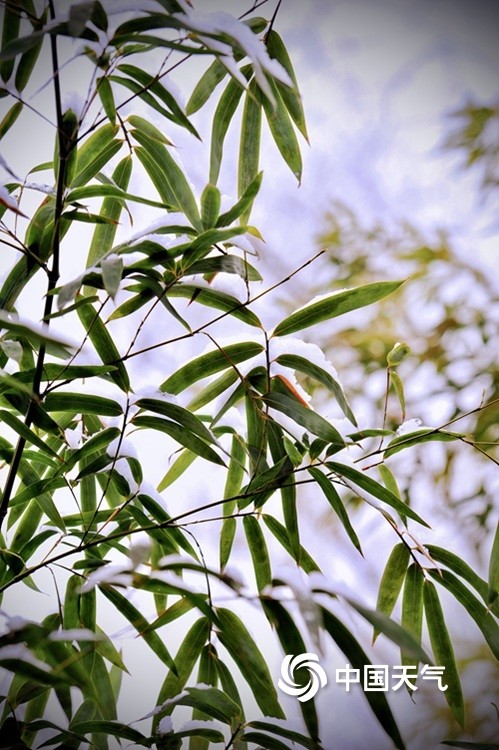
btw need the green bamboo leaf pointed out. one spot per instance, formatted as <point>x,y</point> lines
<point>10,33</point>
<point>249,143</point>
<point>181,415</point>
<point>181,464</point>
<point>444,653</point>
<point>398,387</point>
<point>26,65</point>
<point>292,643</point>
<point>349,646</point>
<point>111,191</point>
<point>258,551</point>
<point>82,403</point>
<point>226,264</point>
<point>111,729</point>
<point>243,205</point>
<point>392,630</point>
<point>282,731</point>
<point>112,272</point>
<point>425,435</point>
<point>493,591</point>
<point>290,96</point>
<point>282,130</point>
<point>392,580</point>
<point>25,432</point>
<point>374,488</point>
<point>243,649</point>
<point>139,123</point>
<point>266,741</point>
<point>181,435</point>
<point>305,417</point>
<point>21,44</point>
<point>95,153</point>
<point>227,106</point>
<point>104,345</point>
<point>336,503</point>
<point>412,609</point>
<point>33,672</point>
<point>480,614</point>
<point>388,479</point>
<point>217,300</point>
<point>312,370</point>
<point>206,85</point>
<point>155,87</point>
<point>167,177</point>
<point>459,566</point>
<point>210,206</point>
<point>140,623</point>
<point>209,364</point>
<point>307,563</point>
<point>227,534</point>
<point>48,484</point>
<point>103,237</point>
<point>185,659</point>
<point>106,95</point>
<point>210,701</point>
<point>10,118</point>
<point>334,305</point>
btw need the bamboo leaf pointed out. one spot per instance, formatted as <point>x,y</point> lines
<point>426,435</point>
<point>312,370</point>
<point>227,106</point>
<point>140,623</point>
<point>480,614</point>
<point>398,387</point>
<point>243,205</point>
<point>444,653</point>
<point>105,92</point>
<point>205,86</point>
<point>10,118</point>
<point>375,489</point>
<point>307,563</point>
<point>243,649</point>
<point>185,659</point>
<point>210,206</point>
<point>104,345</point>
<point>290,96</point>
<point>249,143</point>
<point>82,403</point>
<point>462,569</point>
<point>282,130</point>
<point>258,551</point>
<point>95,153</point>
<point>210,701</point>
<point>336,503</point>
<point>176,470</point>
<point>167,177</point>
<point>181,435</point>
<point>104,234</point>
<point>412,609</point>
<point>25,432</point>
<point>307,418</point>
<point>217,300</point>
<point>357,658</point>
<point>209,364</point>
<point>335,305</point>
<point>181,415</point>
<point>493,591</point>
<point>392,580</point>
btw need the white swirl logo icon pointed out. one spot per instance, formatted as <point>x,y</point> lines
<point>317,676</point>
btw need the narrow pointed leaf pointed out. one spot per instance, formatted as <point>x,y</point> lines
<point>480,614</point>
<point>249,144</point>
<point>392,580</point>
<point>140,623</point>
<point>181,435</point>
<point>282,131</point>
<point>310,420</point>
<point>290,96</point>
<point>229,101</point>
<point>209,364</point>
<point>358,658</point>
<point>336,503</point>
<point>243,649</point>
<point>493,591</point>
<point>104,234</point>
<point>412,609</point>
<point>334,305</point>
<point>375,489</point>
<point>104,345</point>
<point>258,551</point>
<point>444,653</point>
